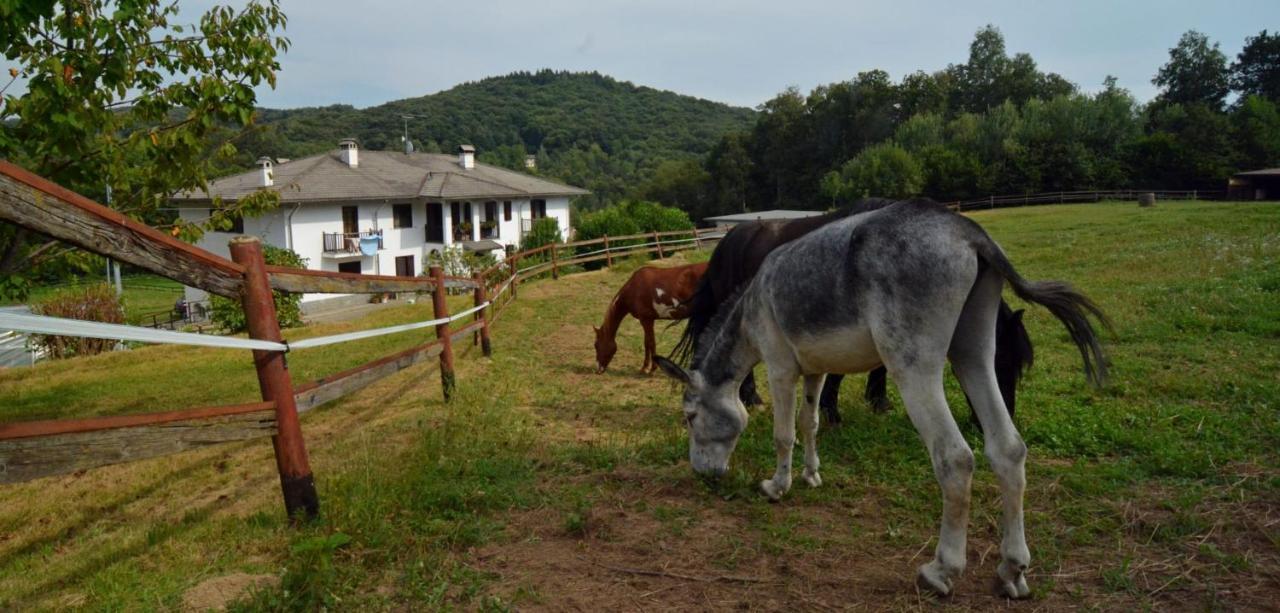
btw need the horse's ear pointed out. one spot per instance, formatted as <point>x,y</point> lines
<point>672,369</point>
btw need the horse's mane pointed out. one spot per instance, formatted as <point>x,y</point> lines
<point>736,260</point>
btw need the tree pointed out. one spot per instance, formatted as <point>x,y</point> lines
<point>885,170</point>
<point>1196,73</point>
<point>1256,124</point>
<point>1257,67</point>
<point>730,169</point>
<point>682,184</point>
<point>118,95</point>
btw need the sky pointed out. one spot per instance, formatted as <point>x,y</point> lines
<point>744,52</point>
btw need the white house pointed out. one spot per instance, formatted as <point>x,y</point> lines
<point>381,212</point>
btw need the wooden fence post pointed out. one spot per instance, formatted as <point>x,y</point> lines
<point>482,316</point>
<point>658,239</point>
<point>608,256</point>
<point>515,273</point>
<point>442,332</point>
<point>555,266</point>
<point>697,240</point>
<point>296,481</point>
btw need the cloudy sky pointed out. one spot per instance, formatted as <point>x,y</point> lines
<point>741,52</point>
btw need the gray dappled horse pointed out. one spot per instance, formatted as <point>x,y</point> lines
<point>739,255</point>
<point>910,286</point>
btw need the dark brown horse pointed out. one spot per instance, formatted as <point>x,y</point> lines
<point>740,254</point>
<point>651,293</point>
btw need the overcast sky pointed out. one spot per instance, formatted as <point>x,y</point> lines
<point>740,52</point>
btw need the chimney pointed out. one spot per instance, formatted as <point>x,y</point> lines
<point>268,178</point>
<point>531,162</point>
<point>466,157</point>
<point>348,152</point>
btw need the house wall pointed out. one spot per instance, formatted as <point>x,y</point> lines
<point>310,221</point>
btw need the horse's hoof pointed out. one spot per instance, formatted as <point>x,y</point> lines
<point>772,490</point>
<point>929,579</point>
<point>812,478</point>
<point>1011,580</point>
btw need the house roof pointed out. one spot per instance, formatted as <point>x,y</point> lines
<point>385,175</point>
<point>764,215</point>
<point>1266,172</point>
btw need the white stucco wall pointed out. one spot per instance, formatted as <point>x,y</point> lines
<point>301,228</point>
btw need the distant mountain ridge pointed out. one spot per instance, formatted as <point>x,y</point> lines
<point>586,128</point>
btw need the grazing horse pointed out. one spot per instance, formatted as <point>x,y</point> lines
<point>909,286</point>
<point>740,254</point>
<point>651,293</point>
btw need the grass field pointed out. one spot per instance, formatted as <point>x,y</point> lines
<point>545,486</point>
<point>144,295</point>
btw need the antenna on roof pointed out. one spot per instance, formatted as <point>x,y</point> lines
<point>408,144</point>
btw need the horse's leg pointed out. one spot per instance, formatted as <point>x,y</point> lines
<point>972,349</point>
<point>809,427</point>
<point>748,394</point>
<point>877,394</point>
<point>782,385</point>
<point>650,346</point>
<point>830,398</point>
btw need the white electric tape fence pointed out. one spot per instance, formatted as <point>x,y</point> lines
<point>40,324</point>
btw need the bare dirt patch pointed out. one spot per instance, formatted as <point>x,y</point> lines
<point>216,593</point>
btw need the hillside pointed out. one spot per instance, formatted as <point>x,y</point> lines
<point>587,129</point>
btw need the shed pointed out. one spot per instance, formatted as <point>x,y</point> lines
<point>1255,185</point>
<point>725,222</point>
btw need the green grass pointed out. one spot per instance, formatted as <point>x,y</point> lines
<point>1159,491</point>
<point>144,295</point>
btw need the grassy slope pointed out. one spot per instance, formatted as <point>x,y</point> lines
<point>144,295</point>
<point>545,486</point>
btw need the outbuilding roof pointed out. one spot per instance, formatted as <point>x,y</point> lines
<point>1265,172</point>
<point>385,175</point>
<point>763,215</point>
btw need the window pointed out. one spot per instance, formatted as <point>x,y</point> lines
<point>506,210</point>
<point>539,208</point>
<point>404,266</point>
<point>462,221</point>
<point>402,216</point>
<point>489,227</point>
<point>237,224</point>
<point>349,267</point>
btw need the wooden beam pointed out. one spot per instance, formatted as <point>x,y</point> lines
<point>316,393</point>
<point>49,427</point>
<point>300,281</point>
<point>24,459</point>
<point>40,205</point>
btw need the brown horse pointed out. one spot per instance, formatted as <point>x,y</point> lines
<point>651,293</point>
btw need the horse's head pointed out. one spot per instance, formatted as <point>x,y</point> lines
<point>715,418</point>
<point>606,346</point>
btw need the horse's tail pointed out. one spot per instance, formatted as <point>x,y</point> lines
<point>1071,307</point>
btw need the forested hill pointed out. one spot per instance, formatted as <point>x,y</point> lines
<point>587,129</point>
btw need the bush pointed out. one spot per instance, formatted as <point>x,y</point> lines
<point>458,263</point>
<point>885,170</point>
<point>544,232</point>
<point>626,218</point>
<point>92,303</point>
<point>229,313</point>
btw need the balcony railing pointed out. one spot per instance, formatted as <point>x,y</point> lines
<point>348,242</point>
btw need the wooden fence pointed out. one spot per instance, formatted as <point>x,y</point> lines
<point>998,202</point>
<point>34,449</point>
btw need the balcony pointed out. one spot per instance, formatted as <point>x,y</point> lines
<point>340,245</point>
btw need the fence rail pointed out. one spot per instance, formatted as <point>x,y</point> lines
<point>34,449</point>
<point>1012,200</point>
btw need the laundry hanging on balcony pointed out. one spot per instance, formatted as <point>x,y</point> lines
<point>369,245</point>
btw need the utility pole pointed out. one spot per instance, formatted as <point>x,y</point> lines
<point>113,267</point>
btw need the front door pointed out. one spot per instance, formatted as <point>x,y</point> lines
<point>435,222</point>
<point>350,219</point>
<point>404,266</point>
